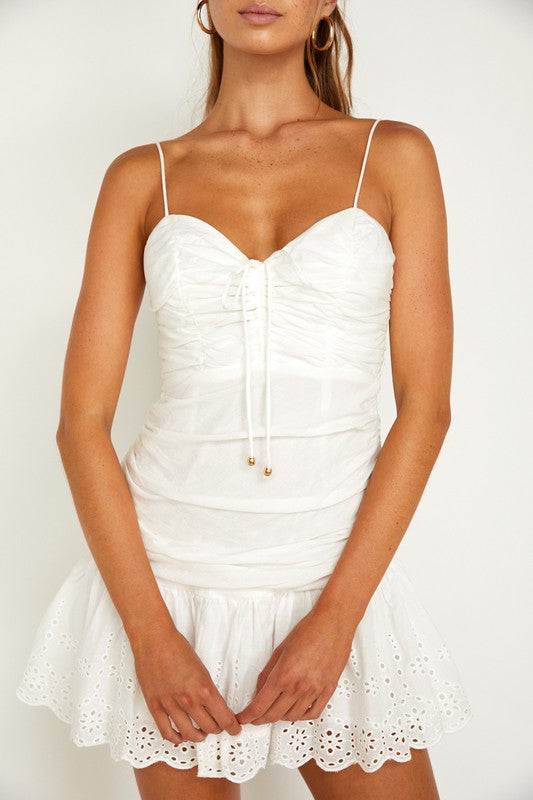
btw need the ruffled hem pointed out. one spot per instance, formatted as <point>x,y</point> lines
<point>400,688</point>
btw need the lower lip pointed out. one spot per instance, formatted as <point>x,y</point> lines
<point>260,19</point>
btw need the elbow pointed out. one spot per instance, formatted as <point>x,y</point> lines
<point>433,417</point>
<point>78,428</point>
<point>438,419</point>
<point>444,417</point>
<point>62,434</point>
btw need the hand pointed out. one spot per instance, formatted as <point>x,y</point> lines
<point>302,673</point>
<point>177,686</point>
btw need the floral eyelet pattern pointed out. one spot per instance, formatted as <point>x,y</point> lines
<point>400,688</point>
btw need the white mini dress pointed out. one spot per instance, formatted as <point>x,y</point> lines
<point>246,478</point>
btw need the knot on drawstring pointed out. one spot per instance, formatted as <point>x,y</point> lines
<point>243,270</point>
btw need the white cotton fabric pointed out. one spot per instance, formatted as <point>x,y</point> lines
<point>281,360</point>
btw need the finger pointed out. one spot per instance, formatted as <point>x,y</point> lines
<point>266,696</point>
<point>301,706</point>
<point>204,720</point>
<point>165,728</point>
<point>183,722</point>
<point>317,706</point>
<point>223,715</point>
<point>277,710</point>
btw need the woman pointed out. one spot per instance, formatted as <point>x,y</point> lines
<point>243,604</point>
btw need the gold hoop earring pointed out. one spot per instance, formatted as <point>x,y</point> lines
<point>331,34</point>
<point>199,18</point>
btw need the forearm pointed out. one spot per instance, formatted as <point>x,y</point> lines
<point>108,518</point>
<point>393,492</point>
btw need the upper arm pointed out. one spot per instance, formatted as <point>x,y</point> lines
<point>421,319</point>
<point>111,292</point>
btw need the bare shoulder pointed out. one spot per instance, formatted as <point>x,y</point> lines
<point>395,133</point>
<point>129,174</point>
<point>405,140</point>
<point>408,157</point>
<point>138,170</point>
<point>131,185</point>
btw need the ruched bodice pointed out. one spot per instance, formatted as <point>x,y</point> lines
<point>270,373</point>
<point>312,321</point>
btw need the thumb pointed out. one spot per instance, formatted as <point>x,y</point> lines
<point>263,675</point>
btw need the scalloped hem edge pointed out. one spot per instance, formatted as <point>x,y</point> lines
<point>411,745</point>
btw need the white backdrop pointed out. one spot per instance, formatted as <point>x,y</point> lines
<point>82,82</point>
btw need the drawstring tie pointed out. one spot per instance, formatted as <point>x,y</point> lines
<point>253,263</point>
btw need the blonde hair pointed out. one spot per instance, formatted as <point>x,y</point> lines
<point>322,67</point>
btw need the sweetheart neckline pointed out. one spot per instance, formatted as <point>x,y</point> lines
<point>285,247</point>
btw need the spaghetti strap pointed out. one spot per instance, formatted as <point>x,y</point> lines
<point>360,181</point>
<point>163,179</point>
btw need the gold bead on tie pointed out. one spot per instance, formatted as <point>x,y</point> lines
<point>268,471</point>
<point>251,461</point>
